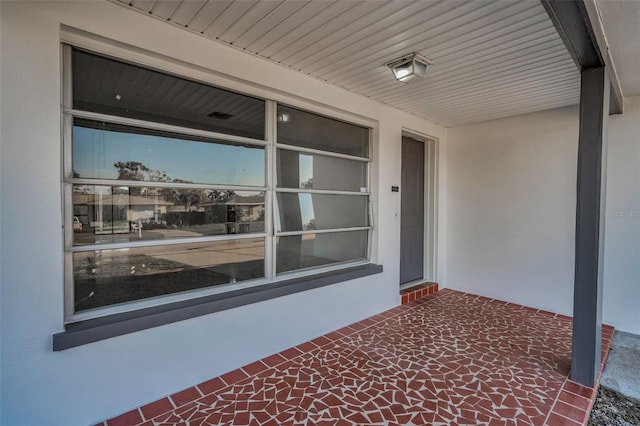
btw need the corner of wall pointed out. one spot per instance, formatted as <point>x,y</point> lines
<point>441,276</point>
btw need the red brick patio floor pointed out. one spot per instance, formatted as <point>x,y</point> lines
<point>449,358</point>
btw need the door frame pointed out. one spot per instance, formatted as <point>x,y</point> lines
<point>431,205</point>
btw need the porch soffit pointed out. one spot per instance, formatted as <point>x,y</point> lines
<point>621,20</point>
<point>492,59</point>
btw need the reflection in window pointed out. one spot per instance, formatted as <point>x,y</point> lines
<point>305,212</point>
<point>107,277</point>
<point>308,130</point>
<point>311,250</point>
<point>116,88</point>
<point>298,170</point>
<point>300,212</point>
<point>122,214</point>
<point>108,151</point>
<point>153,211</point>
<point>306,171</point>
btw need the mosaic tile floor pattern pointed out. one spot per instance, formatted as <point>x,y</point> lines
<point>449,358</point>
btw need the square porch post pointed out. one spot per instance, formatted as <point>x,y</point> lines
<point>589,244</point>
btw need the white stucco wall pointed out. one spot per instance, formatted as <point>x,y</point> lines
<point>621,297</point>
<point>511,212</point>
<point>96,381</point>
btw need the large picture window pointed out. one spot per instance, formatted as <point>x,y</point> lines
<point>173,185</point>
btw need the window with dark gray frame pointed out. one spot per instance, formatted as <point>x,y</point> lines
<point>173,185</point>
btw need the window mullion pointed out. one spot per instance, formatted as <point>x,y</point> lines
<point>166,242</point>
<point>322,191</point>
<point>369,204</point>
<point>323,231</point>
<point>67,189</point>
<point>270,199</point>
<point>69,293</point>
<point>320,152</point>
<point>156,184</point>
<point>67,78</point>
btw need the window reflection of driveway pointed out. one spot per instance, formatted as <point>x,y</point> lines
<point>197,256</point>
<point>83,238</point>
<point>175,233</point>
<point>155,234</point>
<point>153,260</point>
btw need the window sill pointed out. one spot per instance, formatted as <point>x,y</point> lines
<point>93,330</point>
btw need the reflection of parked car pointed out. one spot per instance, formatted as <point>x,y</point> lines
<point>77,225</point>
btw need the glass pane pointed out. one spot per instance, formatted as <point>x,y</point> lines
<point>109,151</point>
<point>311,171</point>
<point>111,87</point>
<point>107,277</point>
<point>309,130</point>
<point>304,212</point>
<point>310,250</point>
<point>115,214</point>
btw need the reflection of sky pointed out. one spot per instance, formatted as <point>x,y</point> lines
<point>306,208</point>
<point>305,202</point>
<point>96,151</point>
<point>306,168</point>
<point>305,164</point>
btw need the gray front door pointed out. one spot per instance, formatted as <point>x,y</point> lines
<point>412,211</point>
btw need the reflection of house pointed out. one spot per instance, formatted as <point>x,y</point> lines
<point>181,208</point>
<point>138,208</point>
<point>248,209</point>
<point>105,211</point>
<point>242,214</point>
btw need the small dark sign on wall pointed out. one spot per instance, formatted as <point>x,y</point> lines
<point>395,189</point>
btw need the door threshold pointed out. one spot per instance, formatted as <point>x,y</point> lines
<point>413,283</point>
<point>415,292</point>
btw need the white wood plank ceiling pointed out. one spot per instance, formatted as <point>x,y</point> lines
<point>492,59</point>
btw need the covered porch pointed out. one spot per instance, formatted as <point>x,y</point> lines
<point>448,358</point>
<point>520,166</point>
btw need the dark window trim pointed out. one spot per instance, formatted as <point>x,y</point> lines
<point>93,330</point>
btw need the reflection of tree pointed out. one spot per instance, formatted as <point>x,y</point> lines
<point>135,170</point>
<point>307,184</point>
<point>221,195</point>
<point>184,197</point>
<point>309,226</point>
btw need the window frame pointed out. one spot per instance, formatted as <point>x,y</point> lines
<point>277,190</point>
<point>270,189</point>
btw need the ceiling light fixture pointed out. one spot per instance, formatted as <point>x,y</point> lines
<point>284,117</point>
<point>410,67</point>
